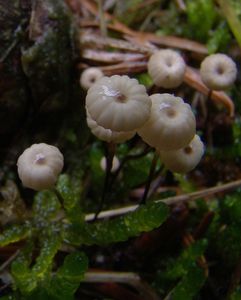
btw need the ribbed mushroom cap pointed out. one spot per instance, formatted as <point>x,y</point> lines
<point>39,166</point>
<point>172,124</point>
<point>118,103</point>
<point>166,68</point>
<point>218,71</point>
<point>89,76</point>
<point>185,159</point>
<point>108,135</point>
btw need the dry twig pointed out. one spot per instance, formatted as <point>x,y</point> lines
<point>171,200</point>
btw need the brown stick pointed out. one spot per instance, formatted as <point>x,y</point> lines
<point>170,200</point>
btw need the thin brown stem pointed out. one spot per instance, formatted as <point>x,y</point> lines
<point>110,152</point>
<point>150,177</point>
<point>209,119</point>
<point>131,279</point>
<point>125,160</point>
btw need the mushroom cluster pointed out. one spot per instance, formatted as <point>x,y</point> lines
<point>117,107</point>
<point>171,129</point>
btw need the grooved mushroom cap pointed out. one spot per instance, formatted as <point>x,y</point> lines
<point>39,166</point>
<point>185,159</point>
<point>118,103</point>
<point>172,124</point>
<point>218,71</point>
<point>89,76</point>
<point>166,68</point>
<point>108,135</point>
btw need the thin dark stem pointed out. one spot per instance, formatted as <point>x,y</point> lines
<point>150,177</point>
<point>209,120</point>
<point>125,160</point>
<point>59,196</point>
<point>110,152</point>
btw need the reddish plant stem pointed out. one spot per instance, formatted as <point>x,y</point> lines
<point>110,152</point>
<point>150,177</point>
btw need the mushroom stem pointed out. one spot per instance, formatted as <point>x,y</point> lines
<point>125,160</point>
<point>110,152</point>
<point>209,119</point>
<point>150,177</point>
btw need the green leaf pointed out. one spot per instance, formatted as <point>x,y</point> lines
<point>228,243</point>
<point>190,284</point>
<point>21,272</point>
<point>231,208</point>
<point>231,11</point>
<point>197,11</point>
<point>27,279</point>
<point>8,297</point>
<point>49,248</point>
<point>136,171</point>
<point>46,206</point>
<point>14,233</point>
<point>220,39</point>
<point>145,79</point>
<point>39,294</point>
<point>66,281</point>
<point>70,193</point>
<point>237,294</point>
<point>144,218</point>
<point>187,260</point>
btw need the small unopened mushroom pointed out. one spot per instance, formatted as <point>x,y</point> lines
<point>166,68</point>
<point>118,103</point>
<point>218,71</point>
<point>115,164</point>
<point>185,159</point>
<point>108,135</point>
<point>39,166</point>
<point>172,124</point>
<point>89,76</point>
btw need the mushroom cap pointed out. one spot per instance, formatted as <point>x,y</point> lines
<point>172,124</point>
<point>108,135</point>
<point>118,103</point>
<point>167,68</point>
<point>185,159</point>
<point>89,76</point>
<point>218,71</point>
<point>115,164</point>
<point>39,166</point>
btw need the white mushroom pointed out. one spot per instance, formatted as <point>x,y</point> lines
<point>166,68</point>
<point>118,103</point>
<point>185,159</point>
<point>108,135</point>
<point>172,124</point>
<point>89,76</point>
<point>39,166</point>
<point>218,71</point>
